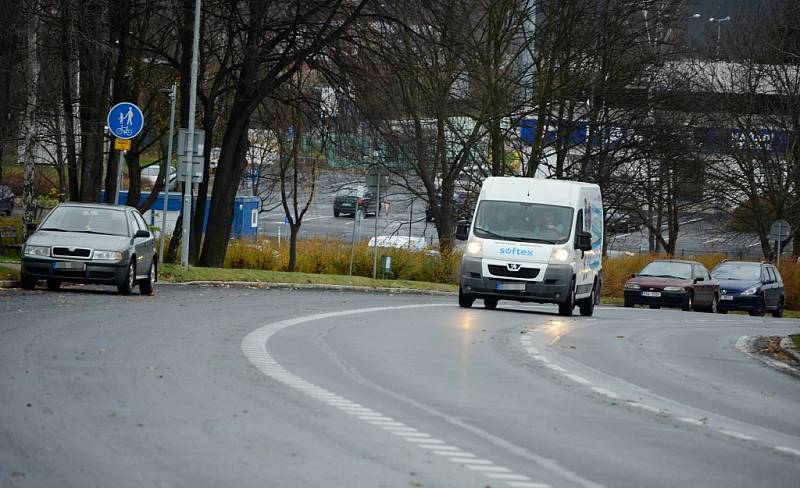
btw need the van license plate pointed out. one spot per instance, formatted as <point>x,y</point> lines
<point>655,294</point>
<point>511,286</point>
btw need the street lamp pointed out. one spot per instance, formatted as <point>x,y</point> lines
<point>170,92</point>
<point>719,28</point>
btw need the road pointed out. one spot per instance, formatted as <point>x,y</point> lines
<point>245,387</point>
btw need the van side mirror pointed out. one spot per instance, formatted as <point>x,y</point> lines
<point>462,230</point>
<point>583,241</point>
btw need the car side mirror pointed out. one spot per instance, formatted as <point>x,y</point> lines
<point>462,230</point>
<point>30,227</point>
<point>583,241</point>
<point>699,279</point>
<point>633,275</point>
<point>141,233</point>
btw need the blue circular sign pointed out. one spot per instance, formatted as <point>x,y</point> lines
<point>125,120</point>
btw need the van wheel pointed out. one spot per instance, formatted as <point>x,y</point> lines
<point>464,300</point>
<point>490,303</point>
<point>568,306</point>
<point>586,305</point>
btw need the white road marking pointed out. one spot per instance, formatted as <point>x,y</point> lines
<point>604,392</point>
<point>463,460</point>
<point>737,435</point>
<point>688,420</point>
<point>254,348</point>
<point>578,379</point>
<point>788,450</point>
<point>508,477</point>
<point>555,367</point>
<point>525,484</point>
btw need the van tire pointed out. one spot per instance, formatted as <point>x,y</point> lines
<point>565,309</point>
<point>586,305</point>
<point>464,300</point>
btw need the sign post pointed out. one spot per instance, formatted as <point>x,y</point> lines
<point>125,120</point>
<point>779,232</point>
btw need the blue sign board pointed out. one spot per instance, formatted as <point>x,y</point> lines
<point>125,120</point>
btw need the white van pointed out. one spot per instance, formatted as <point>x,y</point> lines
<point>533,240</point>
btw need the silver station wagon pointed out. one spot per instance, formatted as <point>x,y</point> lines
<point>91,243</point>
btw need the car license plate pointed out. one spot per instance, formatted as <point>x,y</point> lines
<point>726,297</point>
<point>511,286</point>
<point>655,294</point>
<point>71,265</point>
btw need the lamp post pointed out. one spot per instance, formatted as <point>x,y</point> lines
<point>719,28</point>
<point>187,190</point>
<point>170,92</point>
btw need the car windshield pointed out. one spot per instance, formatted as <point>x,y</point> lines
<point>737,271</point>
<point>86,219</point>
<point>668,269</point>
<point>520,221</point>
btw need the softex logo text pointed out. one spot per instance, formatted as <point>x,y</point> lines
<point>515,251</point>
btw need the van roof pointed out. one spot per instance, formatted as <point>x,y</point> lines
<point>513,188</point>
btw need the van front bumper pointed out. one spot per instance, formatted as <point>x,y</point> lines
<point>553,288</point>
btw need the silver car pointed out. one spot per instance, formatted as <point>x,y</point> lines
<point>91,243</point>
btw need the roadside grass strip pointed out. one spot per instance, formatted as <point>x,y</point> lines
<point>254,348</point>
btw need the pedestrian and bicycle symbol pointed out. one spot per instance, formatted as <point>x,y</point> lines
<point>125,120</point>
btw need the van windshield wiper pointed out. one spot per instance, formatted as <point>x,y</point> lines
<point>490,233</point>
<point>541,241</point>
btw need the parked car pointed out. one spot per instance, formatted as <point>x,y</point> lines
<point>91,243</point>
<point>6,200</point>
<point>673,283</point>
<point>751,287</point>
<point>150,175</point>
<point>350,198</point>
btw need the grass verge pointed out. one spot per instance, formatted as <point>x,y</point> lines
<point>175,274</point>
<point>8,274</point>
<point>796,340</point>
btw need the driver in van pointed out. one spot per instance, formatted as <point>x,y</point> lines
<point>548,224</point>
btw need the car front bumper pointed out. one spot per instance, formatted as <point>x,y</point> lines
<point>745,303</point>
<point>94,272</point>
<point>676,299</point>
<point>553,288</point>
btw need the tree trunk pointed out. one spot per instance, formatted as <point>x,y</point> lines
<point>134,176</point>
<point>66,99</point>
<point>33,71</point>
<point>93,95</point>
<point>294,229</point>
<point>195,239</point>
<point>171,255</point>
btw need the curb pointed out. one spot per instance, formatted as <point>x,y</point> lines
<point>746,345</point>
<point>788,346</point>
<point>311,286</point>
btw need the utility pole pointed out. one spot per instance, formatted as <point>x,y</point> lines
<point>165,168</point>
<point>187,190</point>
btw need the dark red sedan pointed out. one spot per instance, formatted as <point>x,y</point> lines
<point>673,283</point>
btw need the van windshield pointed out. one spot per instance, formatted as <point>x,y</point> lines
<point>521,221</point>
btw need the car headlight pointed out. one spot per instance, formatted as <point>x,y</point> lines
<point>37,250</point>
<point>751,291</point>
<point>107,255</point>
<point>632,286</point>
<point>474,248</point>
<point>674,288</point>
<point>560,254</point>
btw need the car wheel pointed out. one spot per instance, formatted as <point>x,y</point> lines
<point>27,282</point>
<point>335,213</point>
<point>586,305</point>
<point>760,311</point>
<point>714,307</point>
<point>490,303</point>
<point>53,284</point>
<point>127,285</point>
<point>146,286</point>
<point>464,300</point>
<point>568,306</point>
<point>723,312</point>
<point>778,313</point>
<point>655,307</point>
<point>688,306</point>
<point>627,303</point>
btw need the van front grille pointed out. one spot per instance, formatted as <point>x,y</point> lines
<point>522,272</point>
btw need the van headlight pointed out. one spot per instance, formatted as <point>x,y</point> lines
<point>37,250</point>
<point>474,248</point>
<point>107,255</point>
<point>560,254</point>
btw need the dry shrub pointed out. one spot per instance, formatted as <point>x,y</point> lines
<point>790,272</point>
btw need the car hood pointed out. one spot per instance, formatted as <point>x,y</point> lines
<point>658,283</point>
<point>80,239</point>
<point>736,286</point>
